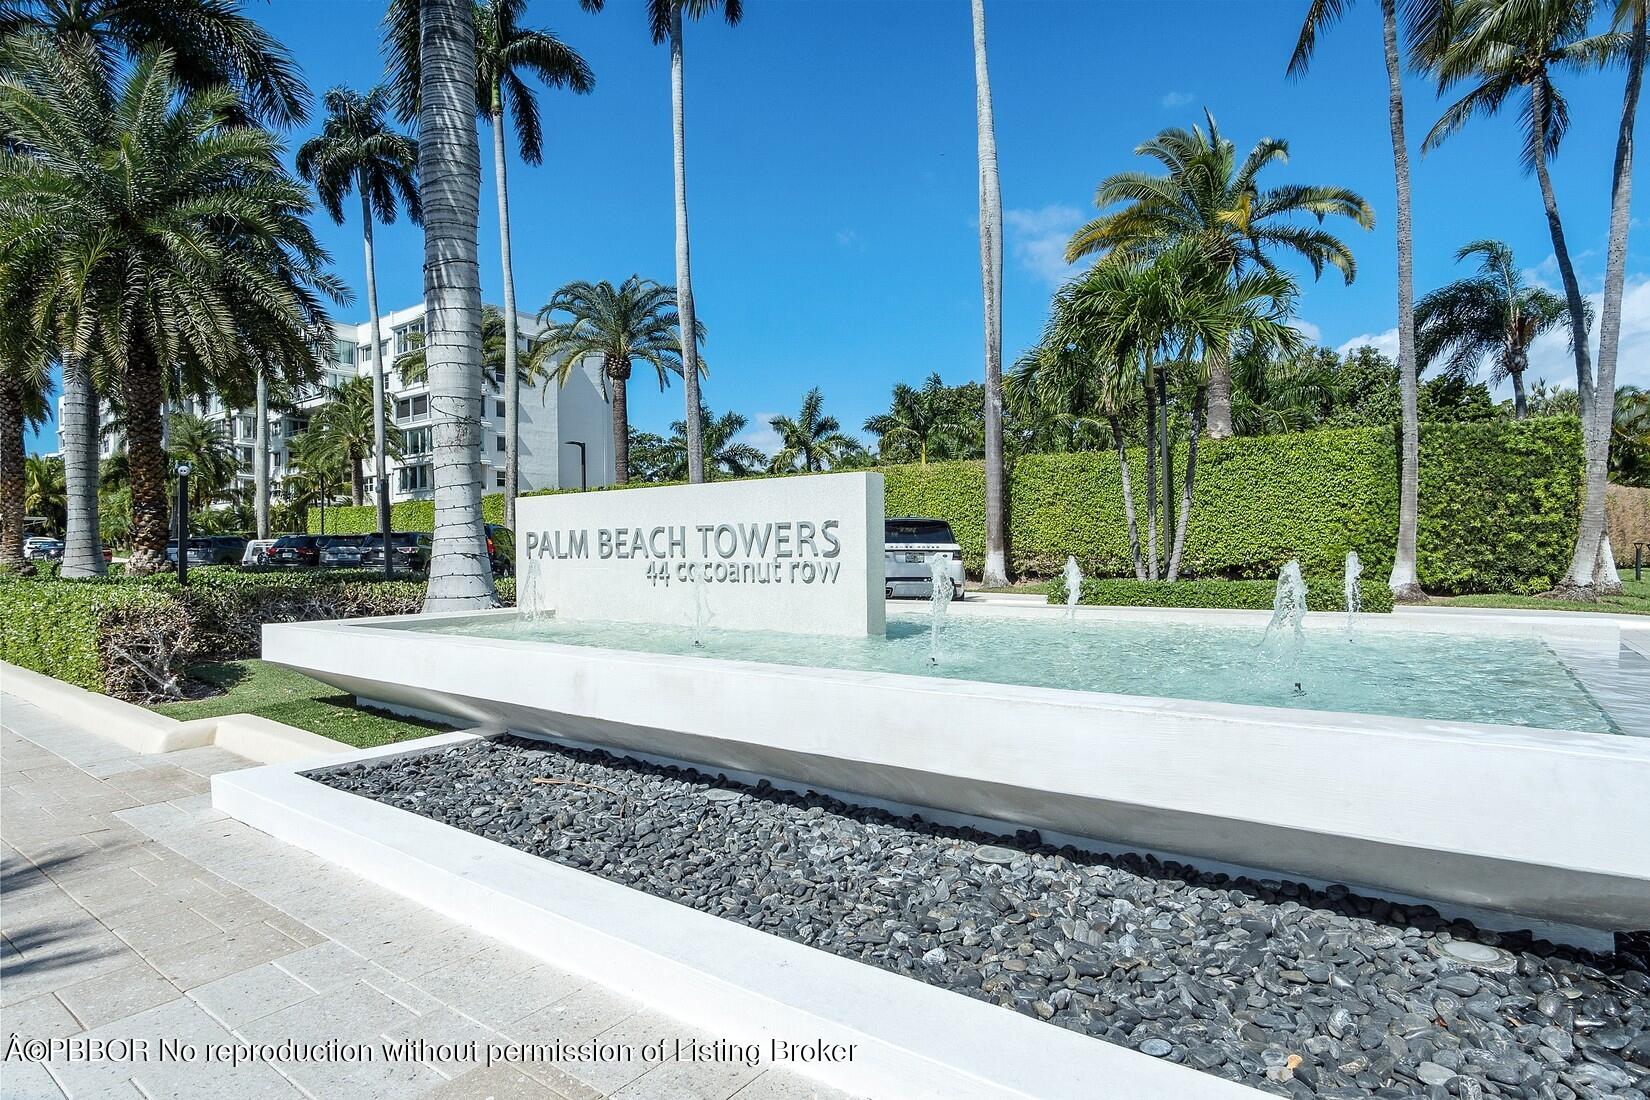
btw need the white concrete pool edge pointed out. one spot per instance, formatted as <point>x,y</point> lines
<point>1533,823</point>
<point>912,1039</point>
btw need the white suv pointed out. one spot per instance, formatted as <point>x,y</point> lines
<point>909,543</point>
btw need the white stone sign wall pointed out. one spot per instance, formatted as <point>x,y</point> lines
<point>802,555</point>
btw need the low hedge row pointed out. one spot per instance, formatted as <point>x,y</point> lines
<point>1322,594</point>
<point>132,638</point>
<point>1499,503</point>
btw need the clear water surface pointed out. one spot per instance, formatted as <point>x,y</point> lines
<point>1514,681</point>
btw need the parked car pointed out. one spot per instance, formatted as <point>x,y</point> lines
<point>297,551</point>
<point>909,543</point>
<point>343,551</point>
<point>40,548</point>
<point>411,550</point>
<point>211,550</point>
<point>256,553</point>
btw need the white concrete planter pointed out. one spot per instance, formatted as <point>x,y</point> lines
<point>1539,823</point>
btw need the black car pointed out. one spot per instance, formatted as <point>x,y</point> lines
<point>210,550</point>
<point>412,550</point>
<point>297,551</point>
<point>343,551</point>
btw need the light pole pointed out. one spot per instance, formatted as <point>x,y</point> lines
<point>183,523</point>
<point>584,481</point>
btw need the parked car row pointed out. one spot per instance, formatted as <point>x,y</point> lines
<point>44,548</point>
<point>411,550</point>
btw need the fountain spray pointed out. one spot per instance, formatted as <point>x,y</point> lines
<point>1074,589</point>
<point>939,601</point>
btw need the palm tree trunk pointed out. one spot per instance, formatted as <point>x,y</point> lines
<point>1404,581</point>
<point>991,286</point>
<point>146,458</point>
<point>1166,443</point>
<point>449,169</point>
<point>1128,498</point>
<point>1191,476</point>
<point>1592,538</point>
<point>620,379</point>
<point>260,458</point>
<point>1521,407</point>
<point>512,376</point>
<point>684,275</point>
<point>13,485</point>
<point>357,481</point>
<point>380,399</point>
<point>1220,401</point>
<point>82,546</point>
<point>1151,473</point>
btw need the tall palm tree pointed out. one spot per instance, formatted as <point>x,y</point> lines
<point>1492,315</point>
<point>991,286</point>
<point>351,427</point>
<point>921,418</point>
<point>205,446</point>
<point>1207,195</point>
<point>1503,50</point>
<point>665,21</point>
<point>170,227</point>
<point>634,322</point>
<point>811,439</point>
<point>212,45</point>
<point>358,150</point>
<point>725,455</point>
<point>505,50</point>
<point>449,172</point>
<point>1422,18</point>
<point>24,383</point>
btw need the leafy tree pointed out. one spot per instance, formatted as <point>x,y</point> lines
<point>649,457</point>
<point>811,440</point>
<point>1492,315</point>
<point>211,457</point>
<point>917,422</point>
<point>171,228</point>
<point>344,432</point>
<point>358,150</point>
<point>1630,437</point>
<point>1208,197</point>
<point>24,387</point>
<point>45,496</point>
<point>633,322</point>
<point>725,455</point>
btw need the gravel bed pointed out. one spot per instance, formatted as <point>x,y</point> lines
<point>1297,991</point>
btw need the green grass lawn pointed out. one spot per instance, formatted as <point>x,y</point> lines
<point>281,695</point>
<point>1634,600</point>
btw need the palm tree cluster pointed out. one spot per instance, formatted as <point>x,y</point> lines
<point>150,240</point>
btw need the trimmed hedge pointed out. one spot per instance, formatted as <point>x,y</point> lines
<point>1499,504</point>
<point>132,638</point>
<point>1322,594</point>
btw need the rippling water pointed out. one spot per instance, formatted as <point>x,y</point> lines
<point>1517,681</point>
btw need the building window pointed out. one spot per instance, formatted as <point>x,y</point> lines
<point>343,352</point>
<point>500,446</point>
<point>413,479</point>
<point>501,481</point>
<point>498,409</point>
<point>412,408</point>
<point>409,337</point>
<point>416,441</point>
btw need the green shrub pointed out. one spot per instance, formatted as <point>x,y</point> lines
<point>61,628</point>
<point>1499,504</point>
<point>1322,593</point>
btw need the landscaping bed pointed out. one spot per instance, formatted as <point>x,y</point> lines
<point>1297,991</point>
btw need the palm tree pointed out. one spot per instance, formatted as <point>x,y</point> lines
<point>1422,18</point>
<point>504,50</point>
<point>725,455</point>
<point>1492,315</point>
<point>346,432</point>
<point>635,322</point>
<point>1630,437</point>
<point>916,418</point>
<point>315,473</point>
<point>45,495</point>
<point>1208,196</point>
<point>991,284</point>
<point>205,446</point>
<point>1501,49</point>
<point>414,367</point>
<point>167,225</point>
<point>449,172</point>
<point>665,20</point>
<point>812,440</point>
<point>358,150</point>
<point>212,45</point>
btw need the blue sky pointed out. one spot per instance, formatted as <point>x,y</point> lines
<point>832,174</point>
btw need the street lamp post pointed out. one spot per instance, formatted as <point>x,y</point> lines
<point>584,480</point>
<point>183,523</point>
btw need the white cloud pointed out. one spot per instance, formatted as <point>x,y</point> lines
<point>849,238</point>
<point>1176,99</point>
<point>760,434</point>
<point>1384,342</point>
<point>1037,239</point>
<point>1307,329</point>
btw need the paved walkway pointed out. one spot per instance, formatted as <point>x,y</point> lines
<point>132,910</point>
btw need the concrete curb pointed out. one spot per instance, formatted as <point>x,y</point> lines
<point>142,730</point>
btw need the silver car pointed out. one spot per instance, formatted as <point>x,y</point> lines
<point>909,543</point>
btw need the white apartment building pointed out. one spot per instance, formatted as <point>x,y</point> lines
<point>566,431</point>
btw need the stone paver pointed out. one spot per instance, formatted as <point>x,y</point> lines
<point>132,910</point>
